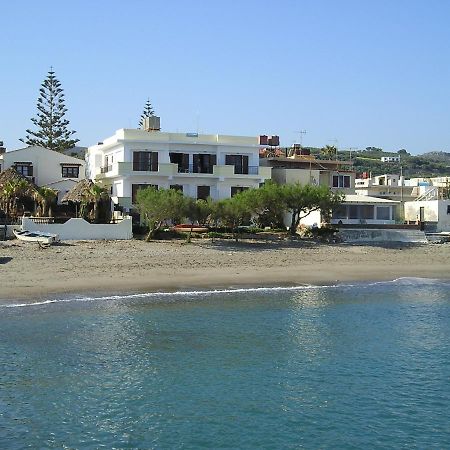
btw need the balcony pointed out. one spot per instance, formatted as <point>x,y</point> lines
<point>106,169</point>
<point>122,169</point>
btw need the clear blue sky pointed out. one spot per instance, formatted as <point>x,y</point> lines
<point>367,73</point>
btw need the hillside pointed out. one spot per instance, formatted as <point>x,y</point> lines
<point>431,164</point>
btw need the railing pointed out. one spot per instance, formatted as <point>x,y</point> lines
<point>430,194</point>
<point>250,170</point>
<point>49,220</point>
<point>195,169</point>
<point>105,169</point>
<point>144,167</point>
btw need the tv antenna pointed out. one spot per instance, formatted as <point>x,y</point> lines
<point>301,133</point>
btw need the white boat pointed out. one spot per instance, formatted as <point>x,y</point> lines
<point>36,236</point>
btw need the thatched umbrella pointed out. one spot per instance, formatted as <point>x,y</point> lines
<point>80,193</point>
<point>88,196</point>
<point>11,175</point>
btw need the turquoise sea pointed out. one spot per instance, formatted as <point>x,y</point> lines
<point>339,367</point>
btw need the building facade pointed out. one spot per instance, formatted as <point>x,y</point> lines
<point>200,166</point>
<point>45,167</point>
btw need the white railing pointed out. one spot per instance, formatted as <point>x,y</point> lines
<point>430,194</point>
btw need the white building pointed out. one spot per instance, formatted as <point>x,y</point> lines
<point>435,214</point>
<point>363,210</point>
<point>45,167</point>
<point>198,165</point>
<point>390,159</point>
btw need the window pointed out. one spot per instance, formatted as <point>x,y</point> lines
<point>340,212</point>
<point>448,209</point>
<point>203,192</point>
<point>204,163</point>
<point>341,181</point>
<point>383,213</point>
<point>182,159</point>
<point>145,161</point>
<point>240,163</point>
<point>177,187</point>
<point>236,189</point>
<point>70,171</point>
<point>353,212</point>
<point>367,211</point>
<point>26,169</point>
<point>136,187</point>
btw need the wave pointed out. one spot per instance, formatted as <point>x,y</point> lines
<point>403,281</point>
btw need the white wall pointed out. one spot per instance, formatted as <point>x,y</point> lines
<point>79,229</point>
<point>46,163</point>
<point>434,211</point>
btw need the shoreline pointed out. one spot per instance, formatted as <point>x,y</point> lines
<point>101,268</point>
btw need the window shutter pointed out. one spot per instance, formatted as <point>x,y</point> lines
<point>196,161</point>
<point>245,164</point>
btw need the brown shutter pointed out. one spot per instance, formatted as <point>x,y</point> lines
<point>154,161</point>
<point>245,164</point>
<point>196,163</point>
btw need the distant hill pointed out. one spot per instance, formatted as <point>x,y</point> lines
<point>437,156</point>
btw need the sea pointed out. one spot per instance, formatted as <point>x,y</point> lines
<point>360,366</point>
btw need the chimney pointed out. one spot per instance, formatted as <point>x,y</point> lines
<point>151,123</point>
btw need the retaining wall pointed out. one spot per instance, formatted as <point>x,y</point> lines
<point>368,235</point>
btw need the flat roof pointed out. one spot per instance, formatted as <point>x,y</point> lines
<point>353,198</point>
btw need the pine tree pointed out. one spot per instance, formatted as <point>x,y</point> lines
<point>148,112</point>
<point>52,127</point>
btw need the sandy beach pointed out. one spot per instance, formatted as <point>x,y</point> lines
<point>28,272</point>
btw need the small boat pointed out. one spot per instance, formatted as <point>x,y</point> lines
<point>186,228</point>
<point>36,236</point>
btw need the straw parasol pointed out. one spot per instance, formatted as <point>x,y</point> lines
<point>89,196</point>
<point>80,193</point>
<point>11,176</point>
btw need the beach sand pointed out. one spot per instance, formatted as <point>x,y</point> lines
<point>77,267</point>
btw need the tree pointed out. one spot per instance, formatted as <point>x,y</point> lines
<point>158,206</point>
<point>329,151</point>
<point>302,200</point>
<point>234,211</point>
<point>148,112</point>
<point>52,127</point>
<point>45,197</point>
<point>196,211</point>
<point>267,204</point>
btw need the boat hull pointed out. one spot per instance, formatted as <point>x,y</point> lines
<point>36,236</point>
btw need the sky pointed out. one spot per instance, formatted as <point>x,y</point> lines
<point>350,73</point>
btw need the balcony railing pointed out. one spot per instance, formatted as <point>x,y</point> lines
<point>195,169</point>
<point>145,167</point>
<point>105,169</point>
<point>250,170</point>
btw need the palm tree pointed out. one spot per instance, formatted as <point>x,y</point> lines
<point>18,190</point>
<point>329,151</point>
<point>46,196</point>
<point>96,196</point>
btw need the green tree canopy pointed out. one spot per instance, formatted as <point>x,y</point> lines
<point>302,200</point>
<point>52,126</point>
<point>158,206</point>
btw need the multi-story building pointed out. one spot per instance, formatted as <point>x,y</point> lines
<point>200,166</point>
<point>45,167</point>
<point>306,169</point>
